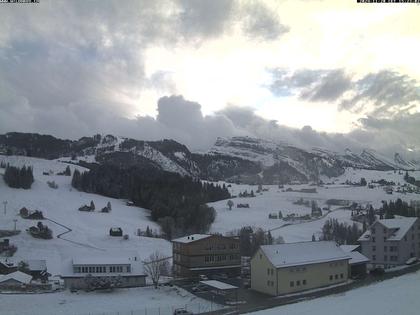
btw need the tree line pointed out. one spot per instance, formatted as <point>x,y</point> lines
<point>342,233</point>
<point>16,177</point>
<point>392,208</point>
<point>177,203</point>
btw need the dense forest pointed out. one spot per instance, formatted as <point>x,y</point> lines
<point>16,177</point>
<point>177,203</point>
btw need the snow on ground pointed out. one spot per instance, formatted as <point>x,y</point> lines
<point>90,229</point>
<point>395,296</point>
<point>122,301</point>
<point>275,200</point>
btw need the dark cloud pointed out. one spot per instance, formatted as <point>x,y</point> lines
<point>261,22</point>
<point>311,85</point>
<point>389,92</point>
<point>385,93</point>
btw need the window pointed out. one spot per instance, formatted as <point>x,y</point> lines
<point>268,271</point>
<point>304,282</point>
<point>384,230</point>
<point>331,277</point>
<point>268,283</point>
<point>298,283</point>
<point>384,238</point>
<point>336,277</point>
<point>405,238</point>
<point>341,276</point>
<point>373,239</point>
<point>385,257</point>
<point>373,257</point>
<point>260,256</point>
<point>292,284</point>
<point>385,248</point>
<point>374,248</point>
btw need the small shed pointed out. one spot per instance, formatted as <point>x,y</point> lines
<point>227,291</point>
<point>115,231</point>
<point>15,279</point>
<point>357,263</point>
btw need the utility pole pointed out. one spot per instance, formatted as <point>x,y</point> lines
<point>5,204</point>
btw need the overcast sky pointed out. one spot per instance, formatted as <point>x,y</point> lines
<point>327,73</point>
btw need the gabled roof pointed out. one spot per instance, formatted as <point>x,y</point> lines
<point>349,248</point>
<point>357,258</point>
<point>399,226</point>
<point>191,238</point>
<point>36,264</point>
<point>304,253</point>
<point>18,276</point>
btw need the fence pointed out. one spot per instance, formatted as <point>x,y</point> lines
<point>195,308</point>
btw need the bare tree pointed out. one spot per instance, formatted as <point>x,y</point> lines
<point>155,267</point>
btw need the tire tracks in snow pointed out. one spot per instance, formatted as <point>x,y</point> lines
<point>68,231</point>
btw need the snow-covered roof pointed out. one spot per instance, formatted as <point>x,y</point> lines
<point>400,225</point>
<point>101,260</point>
<point>191,238</point>
<point>9,263</point>
<point>218,285</point>
<point>349,248</point>
<point>18,276</point>
<point>36,264</point>
<point>357,258</point>
<point>137,268</point>
<point>303,253</point>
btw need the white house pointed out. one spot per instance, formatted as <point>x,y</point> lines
<point>391,242</point>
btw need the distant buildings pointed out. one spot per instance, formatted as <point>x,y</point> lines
<point>391,242</point>
<point>128,271</point>
<point>206,254</point>
<point>288,268</point>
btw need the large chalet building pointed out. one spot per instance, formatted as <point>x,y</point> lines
<point>205,254</point>
<point>391,242</point>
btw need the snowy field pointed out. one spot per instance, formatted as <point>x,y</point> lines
<point>89,229</point>
<point>395,296</point>
<point>136,301</point>
<point>275,200</point>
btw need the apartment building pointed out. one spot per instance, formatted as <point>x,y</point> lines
<point>391,242</point>
<point>206,254</point>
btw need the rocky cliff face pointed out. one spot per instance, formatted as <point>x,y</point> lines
<point>239,159</point>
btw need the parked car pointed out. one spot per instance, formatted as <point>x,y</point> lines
<point>411,261</point>
<point>182,311</point>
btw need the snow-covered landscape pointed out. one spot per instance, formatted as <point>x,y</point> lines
<point>89,234</point>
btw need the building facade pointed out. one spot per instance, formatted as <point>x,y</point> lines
<point>289,268</point>
<point>391,242</point>
<point>128,271</point>
<point>206,254</point>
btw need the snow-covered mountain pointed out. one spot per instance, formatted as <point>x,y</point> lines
<point>240,159</point>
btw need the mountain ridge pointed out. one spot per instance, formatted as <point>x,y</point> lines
<point>237,159</point>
